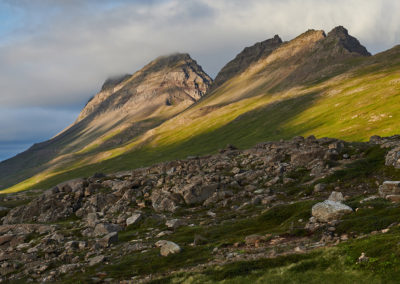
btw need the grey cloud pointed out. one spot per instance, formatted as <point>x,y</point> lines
<point>75,45</point>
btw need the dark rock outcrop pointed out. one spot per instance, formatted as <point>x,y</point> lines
<point>245,58</point>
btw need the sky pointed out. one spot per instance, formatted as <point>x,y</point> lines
<point>55,54</point>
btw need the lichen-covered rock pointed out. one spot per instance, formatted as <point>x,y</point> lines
<point>330,210</point>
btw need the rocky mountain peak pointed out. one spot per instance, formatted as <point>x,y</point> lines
<point>170,80</point>
<point>113,81</point>
<point>341,36</point>
<point>245,58</point>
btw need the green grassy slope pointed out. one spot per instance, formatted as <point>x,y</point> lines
<point>351,98</point>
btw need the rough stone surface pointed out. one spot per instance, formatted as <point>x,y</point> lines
<point>336,196</point>
<point>106,228</point>
<point>330,210</point>
<point>134,219</point>
<point>168,247</point>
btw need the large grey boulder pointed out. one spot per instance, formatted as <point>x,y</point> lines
<point>164,201</point>
<point>194,194</point>
<point>330,210</point>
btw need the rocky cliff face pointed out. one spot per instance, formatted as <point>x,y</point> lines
<point>244,59</point>
<point>168,80</point>
<point>341,38</point>
<point>301,57</point>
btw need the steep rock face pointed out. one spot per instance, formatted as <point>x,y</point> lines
<point>245,58</point>
<point>167,80</point>
<point>114,81</point>
<point>341,36</point>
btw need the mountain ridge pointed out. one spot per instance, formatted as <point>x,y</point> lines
<point>264,101</point>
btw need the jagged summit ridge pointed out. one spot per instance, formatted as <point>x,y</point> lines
<point>245,58</point>
<point>347,41</point>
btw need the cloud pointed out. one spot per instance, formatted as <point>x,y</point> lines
<point>66,49</point>
<point>56,54</point>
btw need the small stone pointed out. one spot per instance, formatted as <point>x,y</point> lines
<point>235,170</point>
<point>106,228</point>
<point>336,196</point>
<point>134,219</point>
<point>254,239</point>
<point>211,214</point>
<point>174,223</point>
<point>163,233</point>
<point>108,239</point>
<point>168,247</point>
<point>96,260</point>
<point>363,258</point>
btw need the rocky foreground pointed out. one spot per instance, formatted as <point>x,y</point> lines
<point>182,219</point>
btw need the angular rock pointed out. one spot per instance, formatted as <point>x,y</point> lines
<point>389,188</point>
<point>108,239</point>
<point>134,219</point>
<point>330,210</point>
<point>174,223</point>
<point>106,228</point>
<point>336,196</point>
<point>96,260</point>
<point>319,187</point>
<point>194,194</point>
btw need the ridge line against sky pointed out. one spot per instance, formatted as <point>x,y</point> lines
<point>54,55</point>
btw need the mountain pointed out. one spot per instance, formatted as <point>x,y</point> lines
<point>126,107</point>
<point>245,58</point>
<point>315,84</point>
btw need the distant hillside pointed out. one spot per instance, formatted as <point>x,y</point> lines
<point>316,84</point>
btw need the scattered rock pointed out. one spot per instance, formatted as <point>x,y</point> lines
<point>135,219</point>
<point>254,240</point>
<point>168,247</point>
<point>174,223</point>
<point>96,260</point>
<point>106,228</point>
<point>336,196</point>
<point>363,258</point>
<point>108,239</point>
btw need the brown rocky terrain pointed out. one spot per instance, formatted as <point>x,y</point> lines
<point>84,229</point>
